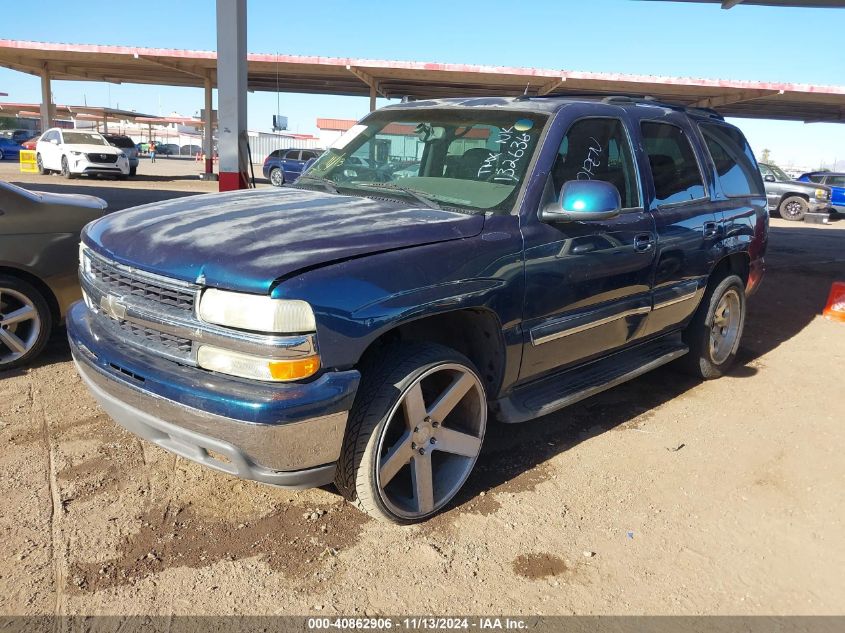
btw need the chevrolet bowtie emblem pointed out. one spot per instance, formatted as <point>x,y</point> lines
<point>111,306</point>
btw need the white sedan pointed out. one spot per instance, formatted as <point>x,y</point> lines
<point>75,152</point>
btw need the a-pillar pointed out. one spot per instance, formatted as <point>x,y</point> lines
<point>231,94</point>
<point>46,99</point>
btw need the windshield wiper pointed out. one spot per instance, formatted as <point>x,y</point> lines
<point>418,195</point>
<point>327,184</point>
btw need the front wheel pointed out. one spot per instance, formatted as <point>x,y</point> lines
<point>25,322</point>
<point>40,164</point>
<point>414,433</point>
<point>66,169</point>
<point>277,177</point>
<point>715,332</point>
<point>793,208</point>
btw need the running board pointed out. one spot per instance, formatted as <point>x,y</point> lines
<point>560,390</point>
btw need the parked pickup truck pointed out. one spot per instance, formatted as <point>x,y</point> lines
<point>360,330</point>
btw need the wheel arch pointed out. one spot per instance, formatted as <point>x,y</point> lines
<point>738,263</point>
<point>39,285</point>
<point>474,332</point>
<point>790,194</point>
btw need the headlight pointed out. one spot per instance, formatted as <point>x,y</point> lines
<point>822,194</point>
<point>256,313</point>
<point>73,152</point>
<point>256,367</point>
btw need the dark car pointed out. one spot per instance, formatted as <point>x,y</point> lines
<point>834,180</point>
<point>127,145</point>
<point>21,136</point>
<point>39,249</point>
<point>285,165</point>
<point>360,331</point>
<point>791,199</point>
<point>9,149</point>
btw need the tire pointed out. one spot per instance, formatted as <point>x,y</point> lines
<point>711,353</point>
<point>25,338</point>
<point>66,169</point>
<point>277,177</point>
<point>793,208</point>
<point>395,440</point>
<point>2,155</point>
<point>40,164</point>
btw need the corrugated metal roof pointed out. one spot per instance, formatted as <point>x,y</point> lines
<point>348,76</point>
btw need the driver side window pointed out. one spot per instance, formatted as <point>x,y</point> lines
<point>598,149</point>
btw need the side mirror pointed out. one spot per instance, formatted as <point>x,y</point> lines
<point>583,201</point>
<point>769,178</point>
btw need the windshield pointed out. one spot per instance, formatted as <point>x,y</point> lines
<point>779,173</point>
<point>466,158</point>
<point>83,138</point>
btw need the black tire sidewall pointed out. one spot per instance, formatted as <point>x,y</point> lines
<point>384,382</point>
<point>697,334</point>
<point>40,303</point>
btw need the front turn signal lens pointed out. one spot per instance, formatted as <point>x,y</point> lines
<point>294,369</point>
<point>256,367</point>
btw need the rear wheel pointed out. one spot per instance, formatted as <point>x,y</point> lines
<point>715,332</point>
<point>793,208</point>
<point>277,177</point>
<point>2,155</point>
<point>414,433</point>
<point>25,322</point>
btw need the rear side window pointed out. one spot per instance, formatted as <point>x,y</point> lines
<point>674,167</point>
<point>735,165</point>
<point>815,178</point>
<point>292,154</point>
<point>121,141</point>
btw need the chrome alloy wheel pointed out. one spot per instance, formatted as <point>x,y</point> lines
<point>276,177</point>
<point>20,325</point>
<point>793,209</point>
<point>724,333</point>
<point>431,441</point>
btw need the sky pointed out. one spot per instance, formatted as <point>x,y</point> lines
<point>626,36</point>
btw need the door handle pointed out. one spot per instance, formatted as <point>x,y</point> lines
<point>710,229</point>
<point>644,242</point>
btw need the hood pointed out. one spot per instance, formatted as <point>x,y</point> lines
<point>245,240</point>
<point>92,149</point>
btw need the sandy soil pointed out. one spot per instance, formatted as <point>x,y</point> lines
<point>665,495</point>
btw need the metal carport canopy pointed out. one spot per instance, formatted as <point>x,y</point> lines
<point>396,79</point>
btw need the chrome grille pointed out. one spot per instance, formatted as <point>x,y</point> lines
<point>119,282</point>
<point>156,338</point>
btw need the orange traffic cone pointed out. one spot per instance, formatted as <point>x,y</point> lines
<point>835,308</point>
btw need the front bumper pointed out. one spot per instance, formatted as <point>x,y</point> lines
<point>84,166</point>
<point>819,206</point>
<point>287,435</point>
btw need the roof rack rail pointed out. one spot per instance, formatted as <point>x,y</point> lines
<point>618,98</point>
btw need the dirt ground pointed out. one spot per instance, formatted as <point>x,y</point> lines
<point>665,495</point>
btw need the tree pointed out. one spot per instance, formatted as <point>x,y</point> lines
<point>766,156</point>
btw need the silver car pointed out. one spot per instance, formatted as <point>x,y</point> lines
<point>39,250</point>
